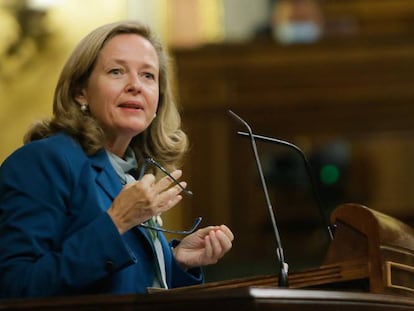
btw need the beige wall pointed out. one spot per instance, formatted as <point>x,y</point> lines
<point>28,77</point>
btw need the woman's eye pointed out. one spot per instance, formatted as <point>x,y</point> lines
<point>149,75</point>
<point>115,71</point>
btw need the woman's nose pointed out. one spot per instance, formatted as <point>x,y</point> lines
<point>134,84</point>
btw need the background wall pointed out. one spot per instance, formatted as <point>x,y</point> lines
<point>37,41</point>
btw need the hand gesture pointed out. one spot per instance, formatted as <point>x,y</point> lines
<point>141,200</point>
<point>204,247</point>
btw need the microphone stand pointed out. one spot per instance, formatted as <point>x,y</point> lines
<point>308,170</point>
<point>283,269</point>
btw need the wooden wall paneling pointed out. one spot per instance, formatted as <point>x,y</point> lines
<point>357,91</point>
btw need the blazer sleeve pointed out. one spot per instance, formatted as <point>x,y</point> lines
<point>42,252</point>
<point>180,277</point>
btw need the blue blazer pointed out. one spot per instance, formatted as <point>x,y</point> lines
<point>55,235</point>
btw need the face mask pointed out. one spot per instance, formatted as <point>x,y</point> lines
<point>297,32</point>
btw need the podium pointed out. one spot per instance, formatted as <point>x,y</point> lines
<point>240,299</point>
<point>369,265</point>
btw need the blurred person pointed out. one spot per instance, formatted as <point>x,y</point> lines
<point>297,21</point>
<point>73,219</point>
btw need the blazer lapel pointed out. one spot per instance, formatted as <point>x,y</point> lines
<point>108,180</point>
<point>106,176</point>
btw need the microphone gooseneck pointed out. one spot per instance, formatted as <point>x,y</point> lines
<point>308,171</point>
<point>283,272</point>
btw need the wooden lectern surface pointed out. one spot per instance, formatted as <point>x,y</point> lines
<point>245,298</point>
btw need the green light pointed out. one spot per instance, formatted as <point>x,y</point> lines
<point>329,174</point>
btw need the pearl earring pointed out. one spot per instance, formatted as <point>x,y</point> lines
<point>84,107</point>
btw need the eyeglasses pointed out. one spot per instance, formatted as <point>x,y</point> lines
<point>151,161</point>
<point>197,221</point>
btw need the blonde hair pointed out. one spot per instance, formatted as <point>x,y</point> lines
<point>163,140</point>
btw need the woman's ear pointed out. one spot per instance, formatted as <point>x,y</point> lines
<point>80,98</point>
<point>82,102</point>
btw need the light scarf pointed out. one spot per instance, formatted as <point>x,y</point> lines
<point>122,167</point>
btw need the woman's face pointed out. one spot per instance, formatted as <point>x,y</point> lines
<point>123,89</point>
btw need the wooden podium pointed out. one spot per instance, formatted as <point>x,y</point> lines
<point>240,299</point>
<point>370,252</point>
<point>369,266</point>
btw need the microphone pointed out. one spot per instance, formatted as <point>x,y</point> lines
<point>308,171</point>
<point>283,268</point>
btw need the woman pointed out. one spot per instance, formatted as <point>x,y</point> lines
<point>71,213</point>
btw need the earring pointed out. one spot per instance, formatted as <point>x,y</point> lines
<point>84,107</point>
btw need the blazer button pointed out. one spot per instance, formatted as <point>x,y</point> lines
<point>109,265</point>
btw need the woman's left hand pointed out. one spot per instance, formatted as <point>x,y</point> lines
<point>204,247</point>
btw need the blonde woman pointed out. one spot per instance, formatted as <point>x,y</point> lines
<point>74,219</point>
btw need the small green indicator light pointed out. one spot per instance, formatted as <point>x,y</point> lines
<point>329,174</point>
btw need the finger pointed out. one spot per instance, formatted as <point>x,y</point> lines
<point>169,204</point>
<point>215,245</point>
<point>220,244</point>
<point>147,179</point>
<point>224,241</point>
<point>208,249</point>
<point>166,181</point>
<point>177,188</point>
<point>170,195</point>
<point>227,232</point>
<point>202,232</point>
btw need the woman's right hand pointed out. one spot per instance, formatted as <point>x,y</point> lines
<point>143,199</point>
